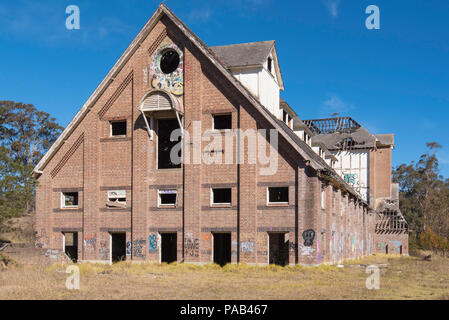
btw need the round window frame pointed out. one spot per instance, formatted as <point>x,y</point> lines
<point>161,55</point>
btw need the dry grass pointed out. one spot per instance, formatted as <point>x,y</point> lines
<point>401,278</point>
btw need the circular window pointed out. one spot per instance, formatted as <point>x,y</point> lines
<point>169,61</point>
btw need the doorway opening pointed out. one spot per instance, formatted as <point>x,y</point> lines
<point>118,245</point>
<point>278,248</point>
<point>169,247</point>
<point>71,245</point>
<point>222,248</point>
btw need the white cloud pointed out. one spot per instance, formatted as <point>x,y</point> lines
<point>332,6</point>
<point>201,14</point>
<point>335,105</point>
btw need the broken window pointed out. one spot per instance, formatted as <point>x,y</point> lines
<point>69,199</point>
<point>221,196</point>
<point>222,121</point>
<point>278,195</point>
<point>116,198</point>
<point>167,197</point>
<point>165,145</point>
<point>169,61</point>
<point>118,128</point>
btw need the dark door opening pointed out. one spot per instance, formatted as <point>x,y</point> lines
<point>386,249</point>
<point>278,249</point>
<point>71,245</point>
<point>400,249</point>
<point>222,248</point>
<point>118,247</point>
<point>169,247</point>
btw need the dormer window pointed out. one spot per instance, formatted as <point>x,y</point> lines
<point>270,64</point>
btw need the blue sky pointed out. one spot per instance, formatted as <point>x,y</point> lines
<point>392,80</point>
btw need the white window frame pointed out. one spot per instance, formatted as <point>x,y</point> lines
<point>277,203</point>
<point>160,204</point>
<point>110,128</point>
<point>212,203</point>
<point>221,114</point>
<point>323,198</point>
<point>63,205</point>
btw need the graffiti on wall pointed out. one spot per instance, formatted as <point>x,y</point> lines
<point>247,246</point>
<point>89,242</point>
<point>139,248</point>
<point>191,245</point>
<point>153,240</point>
<point>308,236</point>
<point>234,248</point>
<point>206,243</point>
<point>103,250</point>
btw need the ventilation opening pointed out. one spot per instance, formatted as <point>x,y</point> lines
<point>118,128</point>
<point>118,247</point>
<point>169,61</point>
<point>169,247</point>
<point>165,146</point>
<point>221,196</point>
<point>222,248</point>
<point>71,245</point>
<point>278,249</point>
<point>222,122</point>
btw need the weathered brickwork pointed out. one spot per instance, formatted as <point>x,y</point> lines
<point>91,162</point>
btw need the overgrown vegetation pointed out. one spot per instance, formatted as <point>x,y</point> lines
<point>400,278</point>
<point>424,201</point>
<point>25,135</point>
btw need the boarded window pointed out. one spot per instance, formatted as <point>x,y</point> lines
<point>221,196</point>
<point>278,195</point>
<point>69,199</point>
<point>118,128</point>
<point>222,121</point>
<point>165,145</point>
<point>167,197</point>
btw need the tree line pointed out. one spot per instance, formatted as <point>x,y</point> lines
<point>424,201</point>
<point>25,136</point>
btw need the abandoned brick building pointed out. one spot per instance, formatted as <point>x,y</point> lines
<point>109,188</point>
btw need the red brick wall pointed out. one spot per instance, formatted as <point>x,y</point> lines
<point>92,163</point>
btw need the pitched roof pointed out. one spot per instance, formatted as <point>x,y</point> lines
<point>244,54</point>
<point>297,144</point>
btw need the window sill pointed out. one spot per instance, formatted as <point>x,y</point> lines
<point>167,206</point>
<point>221,205</point>
<point>283,204</point>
